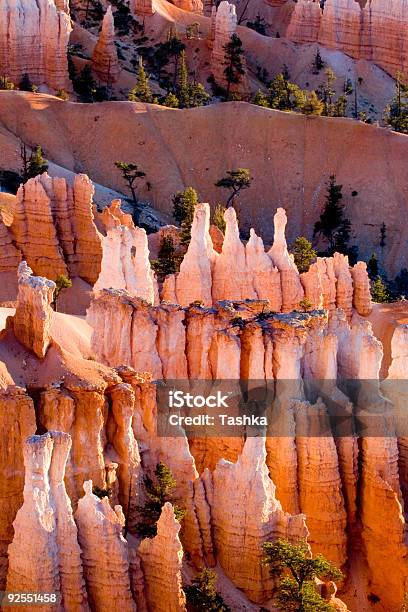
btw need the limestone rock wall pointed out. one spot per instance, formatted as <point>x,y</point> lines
<point>44,555</point>
<point>375,31</point>
<point>53,227</point>
<point>31,322</point>
<point>34,38</point>
<point>105,63</point>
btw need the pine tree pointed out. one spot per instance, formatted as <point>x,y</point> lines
<point>171,100</point>
<point>383,235</point>
<point>141,92</point>
<point>218,217</point>
<point>62,282</point>
<point>332,225</point>
<point>312,105</point>
<point>184,203</point>
<point>167,261</point>
<point>318,63</point>
<point>401,282</point>
<point>36,164</point>
<point>234,67</point>
<point>296,573</point>
<point>202,594</point>
<point>6,84</point>
<point>85,85</point>
<point>130,174</point>
<point>372,267</point>
<point>236,181</point>
<point>328,92</point>
<point>303,253</point>
<point>258,24</point>
<point>396,115</point>
<point>198,95</point>
<point>379,292</point>
<point>158,491</point>
<point>182,88</point>
<point>260,99</point>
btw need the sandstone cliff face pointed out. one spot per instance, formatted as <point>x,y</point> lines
<point>374,30</point>
<point>34,38</point>
<point>44,554</point>
<point>241,272</point>
<point>161,559</point>
<point>125,263</point>
<point>106,570</point>
<point>18,419</point>
<point>53,227</point>
<point>32,320</point>
<point>105,63</point>
<point>239,531</point>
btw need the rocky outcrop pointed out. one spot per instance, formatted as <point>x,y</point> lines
<point>161,560</point>
<point>223,26</point>
<point>31,322</point>
<point>34,38</point>
<point>106,568</point>
<point>125,263</point>
<point>143,7</point>
<point>10,257</point>
<point>192,6</point>
<point>361,284</point>
<point>365,30</point>
<point>53,227</point>
<point>241,529</point>
<point>17,418</point>
<point>44,555</point>
<point>105,63</point>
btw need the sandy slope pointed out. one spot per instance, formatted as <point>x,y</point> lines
<point>290,157</point>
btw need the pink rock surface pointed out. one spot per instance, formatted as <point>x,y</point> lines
<point>105,63</point>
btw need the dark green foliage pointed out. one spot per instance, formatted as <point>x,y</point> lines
<point>26,84</point>
<point>236,181</point>
<point>189,94</point>
<point>379,291</point>
<point>260,99</point>
<point>6,84</point>
<point>383,235</point>
<point>61,282</point>
<point>167,261</point>
<point>372,267</point>
<point>141,92</point>
<point>303,253</point>
<point>202,594</point>
<point>85,85</point>
<point>184,203</point>
<point>318,63</point>
<point>258,24</point>
<point>401,282</point>
<point>10,180</point>
<point>332,225</point>
<point>130,174</point>
<point>101,493</point>
<point>171,100</point>
<point>348,87</point>
<point>218,217</point>
<point>234,67</point>
<point>158,490</point>
<point>36,164</point>
<point>296,572</point>
<point>396,115</point>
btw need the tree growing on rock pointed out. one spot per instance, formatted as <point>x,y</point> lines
<point>202,593</point>
<point>303,253</point>
<point>218,217</point>
<point>333,226</point>
<point>141,92</point>
<point>158,490</point>
<point>184,203</point>
<point>167,262</point>
<point>396,114</point>
<point>34,164</point>
<point>130,174</point>
<point>235,181</point>
<point>234,66</point>
<point>296,571</point>
<point>379,291</point>
<point>62,282</point>
<point>372,267</point>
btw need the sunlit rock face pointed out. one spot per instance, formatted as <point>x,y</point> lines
<point>34,38</point>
